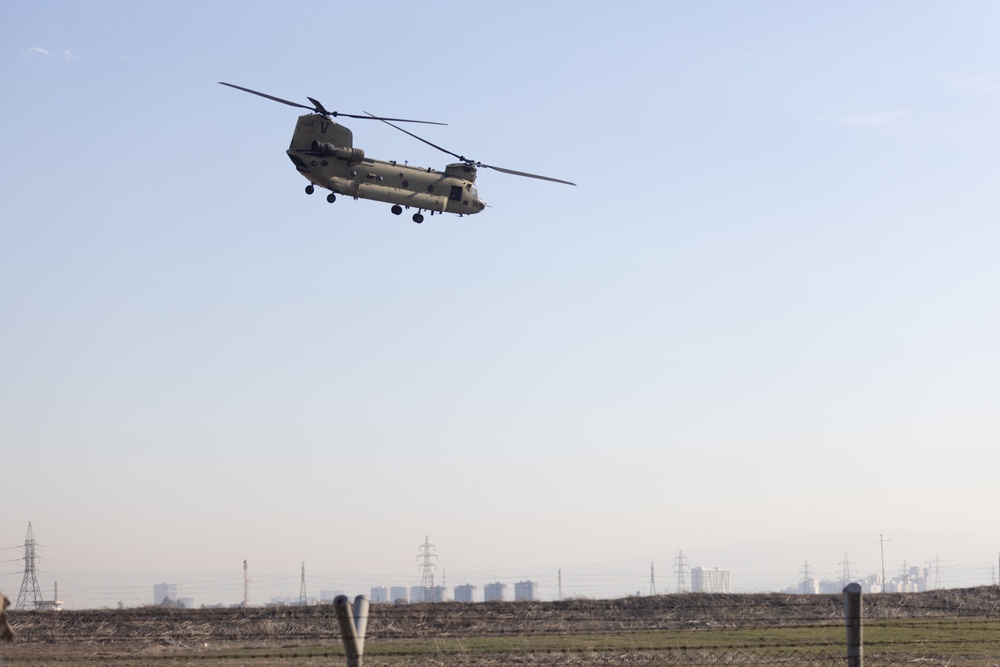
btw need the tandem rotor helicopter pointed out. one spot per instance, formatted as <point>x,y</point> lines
<point>323,152</point>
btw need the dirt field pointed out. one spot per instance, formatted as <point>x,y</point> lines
<point>666,629</point>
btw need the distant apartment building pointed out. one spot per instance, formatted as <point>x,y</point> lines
<point>398,595</point>
<point>429,594</point>
<point>327,597</point>
<point>709,580</point>
<point>380,594</point>
<point>163,592</point>
<point>465,593</point>
<point>526,590</point>
<point>495,592</point>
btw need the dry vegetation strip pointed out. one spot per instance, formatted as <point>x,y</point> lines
<point>958,627</point>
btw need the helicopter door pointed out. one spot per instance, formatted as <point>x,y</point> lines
<point>456,193</point>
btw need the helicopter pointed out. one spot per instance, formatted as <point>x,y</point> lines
<point>323,151</point>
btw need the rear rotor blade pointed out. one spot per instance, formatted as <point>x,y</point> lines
<point>385,120</point>
<point>270,97</point>
<point>320,109</point>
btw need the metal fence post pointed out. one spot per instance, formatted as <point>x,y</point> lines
<point>852,617</point>
<point>352,626</point>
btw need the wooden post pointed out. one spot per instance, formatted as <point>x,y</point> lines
<point>852,617</point>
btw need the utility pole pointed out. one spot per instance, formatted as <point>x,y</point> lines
<point>680,566</point>
<point>560,584</point>
<point>30,590</point>
<point>881,544</point>
<point>246,586</point>
<point>303,600</point>
<point>652,580</point>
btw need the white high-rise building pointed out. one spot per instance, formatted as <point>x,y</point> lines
<point>495,592</point>
<point>380,594</point>
<point>526,590</point>
<point>161,591</point>
<point>709,580</point>
<point>465,593</point>
<point>327,597</point>
<point>398,595</point>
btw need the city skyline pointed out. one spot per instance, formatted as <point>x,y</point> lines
<point>593,580</point>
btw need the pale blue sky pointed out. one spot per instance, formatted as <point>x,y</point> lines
<point>768,312</point>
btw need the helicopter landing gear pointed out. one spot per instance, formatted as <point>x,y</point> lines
<point>310,189</point>
<point>417,218</point>
<point>331,197</point>
<point>397,209</point>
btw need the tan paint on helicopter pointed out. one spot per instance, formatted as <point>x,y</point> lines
<point>323,153</point>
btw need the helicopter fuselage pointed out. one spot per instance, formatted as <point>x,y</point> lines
<point>323,152</point>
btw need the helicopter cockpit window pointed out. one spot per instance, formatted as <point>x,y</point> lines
<point>456,193</point>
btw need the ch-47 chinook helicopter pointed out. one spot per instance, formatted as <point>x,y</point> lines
<point>323,152</point>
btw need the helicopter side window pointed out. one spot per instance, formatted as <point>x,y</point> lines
<point>456,193</point>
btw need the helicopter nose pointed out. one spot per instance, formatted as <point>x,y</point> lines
<point>482,204</point>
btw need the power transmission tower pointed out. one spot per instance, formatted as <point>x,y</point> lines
<point>652,580</point>
<point>426,570</point>
<point>680,567</point>
<point>807,578</point>
<point>29,585</point>
<point>846,577</point>
<point>302,587</point>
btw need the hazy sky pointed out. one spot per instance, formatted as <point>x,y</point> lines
<point>763,329</point>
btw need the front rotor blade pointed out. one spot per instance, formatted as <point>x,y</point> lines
<point>524,173</point>
<point>468,161</point>
<point>386,121</point>
<point>270,97</point>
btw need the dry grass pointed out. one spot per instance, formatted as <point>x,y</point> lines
<point>962,626</point>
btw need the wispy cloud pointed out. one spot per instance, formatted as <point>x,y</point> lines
<point>980,84</point>
<point>872,119</point>
<point>69,57</point>
<point>35,51</point>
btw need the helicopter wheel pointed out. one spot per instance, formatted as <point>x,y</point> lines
<point>417,218</point>
<point>397,209</point>
<point>331,197</point>
<point>310,189</point>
